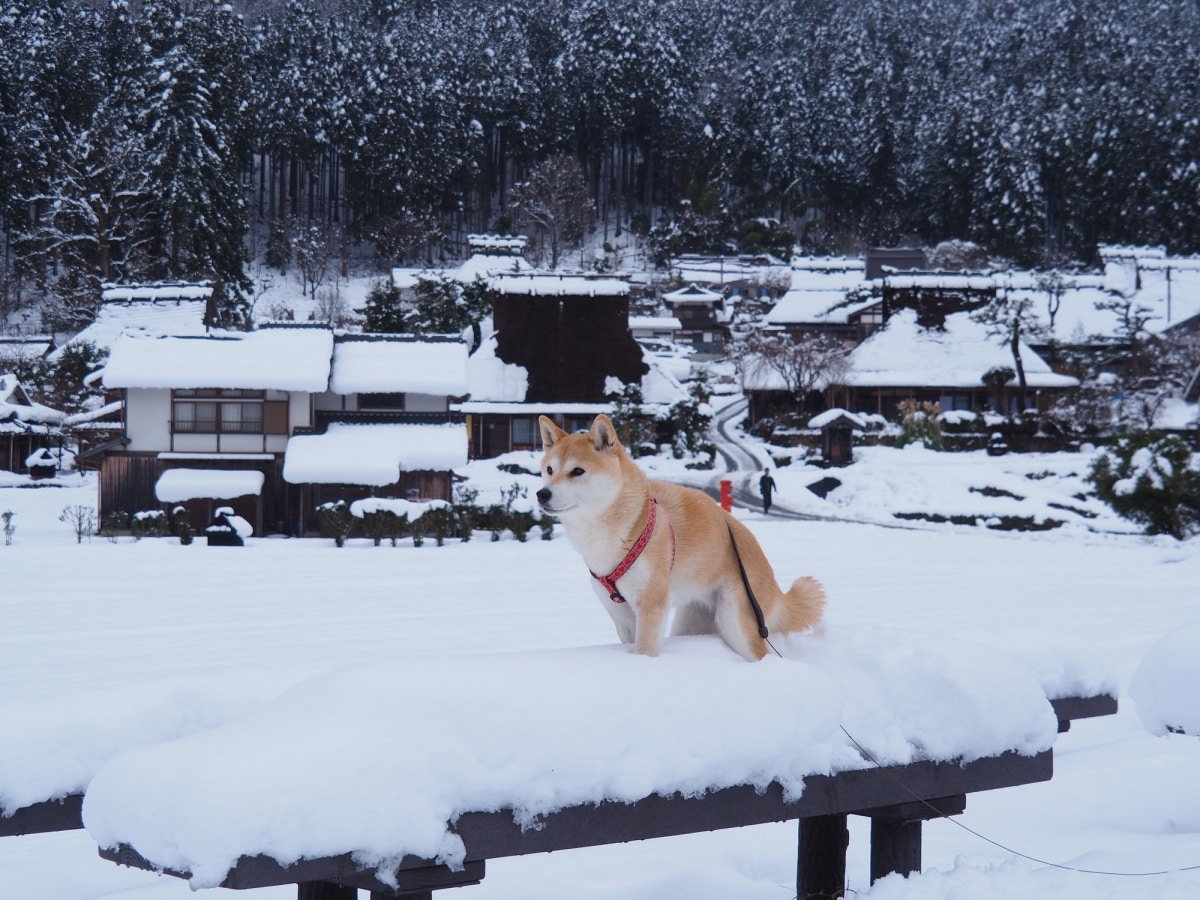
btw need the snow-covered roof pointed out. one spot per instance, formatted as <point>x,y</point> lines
<point>286,359</point>
<point>543,285</point>
<point>25,347</point>
<point>799,306</point>
<point>373,454</point>
<point>179,485</point>
<point>490,378</point>
<point>904,354</point>
<point>832,415</point>
<point>654,323</point>
<point>507,243</point>
<point>378,365</point>
<point>500,408</point>
<point>485,266</point>
<point>177,316</point>
<point>693,293</point>
<point>158,291</point>
<point>15,405</point>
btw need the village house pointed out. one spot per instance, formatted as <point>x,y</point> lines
<point>702,316</point>
<point>27,430</point>
<point>273,422</point>
<point>559,344</point>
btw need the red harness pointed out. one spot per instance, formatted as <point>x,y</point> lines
<point>610,581</point>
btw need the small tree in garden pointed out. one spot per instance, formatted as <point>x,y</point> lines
<point>114,523</point>
<point>1150,480</point>
<point>919,424</point>
<point>9,529</point>
<point>82,520</point>
<point>997,378</point>
<point>635,427</point>
<point>181,524</point>
<point>336,521</point>
<point>466,513</point>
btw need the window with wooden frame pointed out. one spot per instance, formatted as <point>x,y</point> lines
<point>217,411</point>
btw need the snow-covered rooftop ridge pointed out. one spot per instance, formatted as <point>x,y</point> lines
<point>157,291</point>
<point>287,358</point>
<point>693,293</point>
<point>829,264</point>
<point>553,285</point>
<point>378,364</point>
<point>200,803</point>
<point>481,243</point>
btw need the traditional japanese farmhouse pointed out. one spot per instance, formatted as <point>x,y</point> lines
<point>273,422</point>
<point>561,347</point>
<point>944,364</point>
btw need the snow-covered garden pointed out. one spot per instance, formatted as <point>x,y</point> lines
<point>114,645</point>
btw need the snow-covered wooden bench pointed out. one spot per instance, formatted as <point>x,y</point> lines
<point>403,778</point>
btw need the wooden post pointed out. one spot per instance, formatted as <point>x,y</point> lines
<point>821,864</point>
<point>324,890</point>
<point>895,847</point>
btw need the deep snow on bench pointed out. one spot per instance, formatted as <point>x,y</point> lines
<point>380,760</point>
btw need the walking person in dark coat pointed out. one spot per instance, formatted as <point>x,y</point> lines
<point>766,485</point>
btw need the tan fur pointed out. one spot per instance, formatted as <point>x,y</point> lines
<point>602,498</point>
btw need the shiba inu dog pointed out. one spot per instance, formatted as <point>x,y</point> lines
<point>654,547</point>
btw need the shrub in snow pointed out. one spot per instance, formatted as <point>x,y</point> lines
<point>1152,481</point>
<point>82,520</point>
<point>9,528</point>
<point>181,524</point>
<point>148,523</point>
<point>466,513</point>
<point>114,523</point>
<point>379,524</point>
<point>437,520</point>
<point>919,424</point>
<point>336,521</point>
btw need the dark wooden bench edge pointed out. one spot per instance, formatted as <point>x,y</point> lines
<point>62,814</point>
<point>1070,708</point>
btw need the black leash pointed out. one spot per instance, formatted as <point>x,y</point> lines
<point>758,613</point>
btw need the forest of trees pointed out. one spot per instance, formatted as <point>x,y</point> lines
<point>179,138</point>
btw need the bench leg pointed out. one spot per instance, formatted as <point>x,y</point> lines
<point>895,847</point>
<point>821,865</point>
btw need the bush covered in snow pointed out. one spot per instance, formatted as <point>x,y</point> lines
<point>1151,480</point>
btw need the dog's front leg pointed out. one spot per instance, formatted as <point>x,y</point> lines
<point>622,616</point>
<point>651,619</point>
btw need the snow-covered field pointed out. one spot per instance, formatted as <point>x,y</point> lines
<point>94,635</point>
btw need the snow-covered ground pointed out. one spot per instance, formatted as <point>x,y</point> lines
<point>96,635</point>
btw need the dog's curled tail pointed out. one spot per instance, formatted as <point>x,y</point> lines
<point>803,606</point>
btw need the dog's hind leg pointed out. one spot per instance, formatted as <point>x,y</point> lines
<point>736,624</point>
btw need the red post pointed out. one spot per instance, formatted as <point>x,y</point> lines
<point>726,495</point>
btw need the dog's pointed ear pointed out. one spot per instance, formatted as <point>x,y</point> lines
<point>551,433</point>
<point>603,434</point>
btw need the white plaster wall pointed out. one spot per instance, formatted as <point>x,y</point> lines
<point>148,419</point>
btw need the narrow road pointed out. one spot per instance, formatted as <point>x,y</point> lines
<point>743,461</point>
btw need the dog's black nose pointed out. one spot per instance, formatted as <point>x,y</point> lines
<point>543,496</point>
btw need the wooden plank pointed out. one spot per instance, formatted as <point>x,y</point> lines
<point>64,814</point>
<point>1070,708</point>
<point>323,890</point>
